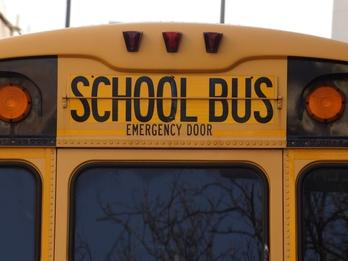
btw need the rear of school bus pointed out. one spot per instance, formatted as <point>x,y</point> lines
<point>173,142</point>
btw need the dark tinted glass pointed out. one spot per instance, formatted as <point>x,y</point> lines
<point>18,195</point>
<point>169,214</point>
<point>324,214</point>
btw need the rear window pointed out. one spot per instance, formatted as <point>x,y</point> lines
<point>169,213</point>
<point>19,218</point>
<point>323,214</point>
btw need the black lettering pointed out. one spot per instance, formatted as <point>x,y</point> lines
<point>145,129</point>
<point>116,98</point>
<point>189,130</point>
<point>135,129</point>
<point>178,126</point>
<point>148,130</point>
<point>141,129</point>
<point>129,133</point>
<point>247,111</point>
<point>166,129</point>
<point>86,110</point>
<point>183,101</point>
<point>95,112</point>
<point>209,130</point>
<point>213,82</point>
<point>266,102</point>
<point>160,130</point>
<point>154,130</point>
<point>150,108</point>
<point>195,129</point>
<point>174,102</point>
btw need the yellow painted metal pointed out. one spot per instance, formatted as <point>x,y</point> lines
<point>43,160</point>
<point>200,132</point>
<point>268,161</point>
<point>295,163</point>
<point>106,44</point>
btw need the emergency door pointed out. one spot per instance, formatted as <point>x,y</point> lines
<point>169,204</point>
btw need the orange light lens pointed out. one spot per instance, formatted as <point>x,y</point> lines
<point>15,103</point>
<point>325,103</point>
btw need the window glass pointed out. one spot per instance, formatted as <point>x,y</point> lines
<point>181,213</point>
<point>18,218</point>
<point>324,214</point>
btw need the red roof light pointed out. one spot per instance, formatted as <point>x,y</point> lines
<point>132,40</point>
<point>172,41</point>
<point>212,41</point>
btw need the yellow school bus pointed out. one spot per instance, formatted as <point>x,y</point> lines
<point>170,141</point>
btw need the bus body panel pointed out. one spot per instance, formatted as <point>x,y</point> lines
<point>296,164</point>
<point>43,162</point>
<point>94,99</point>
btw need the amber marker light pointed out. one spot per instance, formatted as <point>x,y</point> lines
<point>325,103</point>
<point>15,103</point>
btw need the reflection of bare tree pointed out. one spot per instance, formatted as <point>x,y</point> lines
<point>83,250</point>
<point>326,224</point>
<point>217,221</point>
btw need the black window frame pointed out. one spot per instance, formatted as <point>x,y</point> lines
<point>300,202</point>
<point>37,202</point>
<point>158,164</point>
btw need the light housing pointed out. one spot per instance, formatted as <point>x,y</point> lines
<point>132,40</point>
<point>15,103</point>
<point>325,103</point>
<point>172,41</point>
<point>212,41</point>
